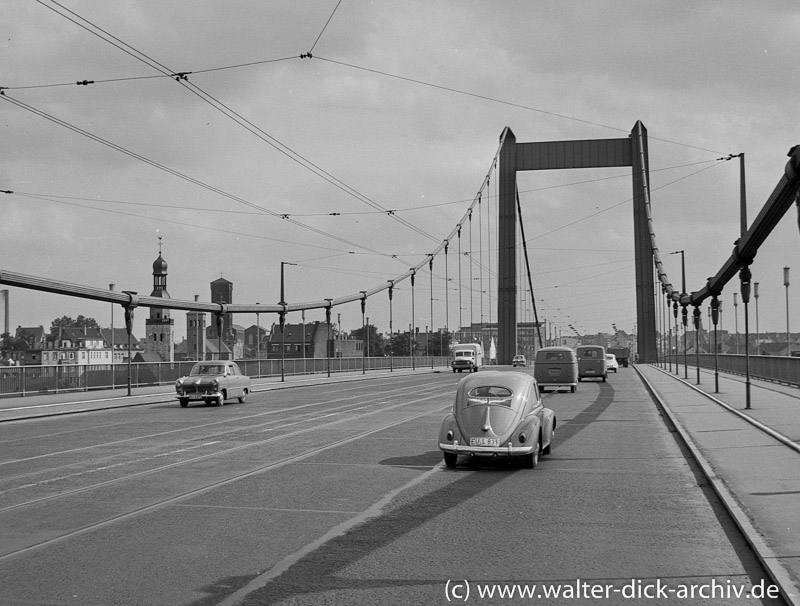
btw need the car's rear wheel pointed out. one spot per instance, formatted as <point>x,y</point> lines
<point>450,459</point>
<point>221,400</point>
<point>530,461</point>
<point>242,397</point>
<point>549,448</point>
<point>572,389</point>
<point>184,402</point>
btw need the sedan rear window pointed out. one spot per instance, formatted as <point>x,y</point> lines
<point>487,394</point>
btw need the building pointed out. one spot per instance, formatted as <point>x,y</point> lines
<point>159,326</point>
<point>232,334</point>
<point>256,342</point>
<point>308,341</point>
<point>118,342</point>
<point>194,348</point>
<point>75,346</point>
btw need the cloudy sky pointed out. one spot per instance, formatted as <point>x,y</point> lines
<point>261,156</point>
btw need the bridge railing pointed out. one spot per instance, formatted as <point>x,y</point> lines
<point>29,380</point>
<point>781,369</point>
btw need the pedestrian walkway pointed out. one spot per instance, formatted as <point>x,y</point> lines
<point>53,404</point>
<point>756,474</point>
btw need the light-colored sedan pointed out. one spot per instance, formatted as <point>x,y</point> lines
<point>498,414</point>
<point>519,360</point>
<point>611,363</point>
<point>213,382</point>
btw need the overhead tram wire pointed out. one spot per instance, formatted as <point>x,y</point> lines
<point>180,175</point>
<point>182,79</point>
<point>509,103</point>
<point>335,8</point>
<point>717,162</point>
<point>333,61</point>
<point>173,222</point>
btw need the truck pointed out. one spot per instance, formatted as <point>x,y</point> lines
<point>467,356</point>
<point>620,353</point>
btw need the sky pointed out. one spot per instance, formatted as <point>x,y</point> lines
<point>356,162</point>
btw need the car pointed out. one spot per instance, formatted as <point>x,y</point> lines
<point>498,414</point>
<point>518,361</point>
<point>611,363</point>
<point>591,362</point>
<point>212,382</point>
<point>556,366</point>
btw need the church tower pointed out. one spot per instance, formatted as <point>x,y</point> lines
<point>159,326</point>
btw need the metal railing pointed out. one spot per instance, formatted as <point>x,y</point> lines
<point>18,381</point>
<point>781,369</point>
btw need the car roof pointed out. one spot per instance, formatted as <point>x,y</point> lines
<point>515,381</point>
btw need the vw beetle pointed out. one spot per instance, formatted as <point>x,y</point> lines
<point>498,414</point>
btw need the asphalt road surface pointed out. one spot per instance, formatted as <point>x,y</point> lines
<point>337,495</point>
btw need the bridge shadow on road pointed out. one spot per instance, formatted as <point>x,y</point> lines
<point>319,571</point>
<point>587,416</point>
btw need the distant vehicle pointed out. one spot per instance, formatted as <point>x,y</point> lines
<point>213,382</point>
<point>519,360</point>
<point>498,414</point>
<point>591,362</point>
<point>556,367</point>
<point>611,363</point>
<point>621,353</point>
<point>467,356</point>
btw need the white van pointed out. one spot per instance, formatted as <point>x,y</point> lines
<point>467,356</point>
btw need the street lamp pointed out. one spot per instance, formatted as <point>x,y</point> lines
<point>755,294</point>
<point>786,284</point>
<point>283,323</point>
<point>684,312</point>
<point>258,333</point>
<point>736,319</point>
<point>111,287</point>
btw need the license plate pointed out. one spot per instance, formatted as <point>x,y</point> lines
<point>484,441</point>
<point>554,372</point>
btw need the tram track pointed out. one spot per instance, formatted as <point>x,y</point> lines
<point>210,438</point>
<point>272,465</point>
<point>238,420</point>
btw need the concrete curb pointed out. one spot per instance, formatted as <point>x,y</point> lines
<point>778,573</point>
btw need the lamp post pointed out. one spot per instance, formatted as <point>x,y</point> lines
<point>329,345</point>
<point>258,334</point>
<point>283,323</point>
<point>736,319</point>
<point>684,311</point>
<point>715,309</point>
<point>786,284</point>
<point>364,332</point>
<point>111,287</point>
<point>755,295</point>
<point>745,277</point>
<point>391,333</point>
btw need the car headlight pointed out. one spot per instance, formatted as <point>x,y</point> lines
<point>523,437</point>
<point>215,384</point>
<point>450,435</point>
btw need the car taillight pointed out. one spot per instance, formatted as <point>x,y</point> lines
<point>523,438</point>
<point>449,435</point>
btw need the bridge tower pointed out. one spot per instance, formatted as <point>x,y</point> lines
<point>555,155</point>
